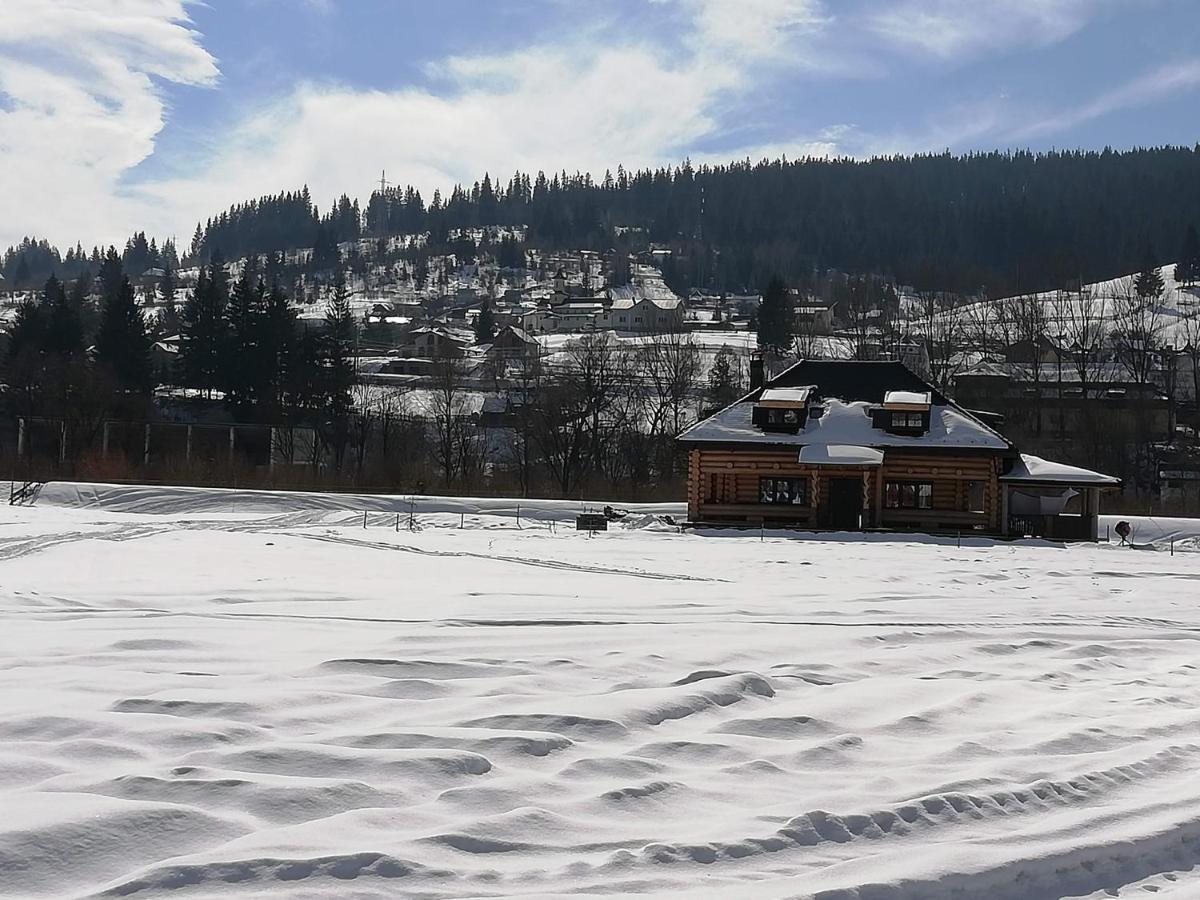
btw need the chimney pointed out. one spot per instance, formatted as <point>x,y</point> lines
<point>757,371</point>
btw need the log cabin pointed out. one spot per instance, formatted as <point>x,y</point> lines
<point>857,445</point>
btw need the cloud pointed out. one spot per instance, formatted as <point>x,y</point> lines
<point>81,104</point>
<point>81,108</point>
<point>1156,84</point>
<point>583,104</point>
<point>953,29</point>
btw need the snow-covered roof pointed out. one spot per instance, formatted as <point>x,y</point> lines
<point>848,424</point>
<point>908,397</point>
<point>786,395</point>
<point>663,303</point>
<point>840,455</point>
<point>520,334</point>
<point>1035,469</point>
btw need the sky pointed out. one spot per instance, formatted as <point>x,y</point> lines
<point>124,115</point>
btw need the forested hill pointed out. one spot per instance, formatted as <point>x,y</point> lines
<point>1004,222</point>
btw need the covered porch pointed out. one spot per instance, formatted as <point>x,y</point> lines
<point>1044,499</point>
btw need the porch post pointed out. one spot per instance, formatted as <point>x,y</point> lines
<point>816,494</point>
<point>879,497</point>
<point>1004,509</point>
<point>21,437</point>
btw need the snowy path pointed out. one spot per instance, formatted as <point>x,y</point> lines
<point>205,703</point>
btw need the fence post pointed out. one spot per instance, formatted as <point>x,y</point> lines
<point>411,515</point>
<point>462,519</point>
<point>146,446</point>
<point>518,515</point>
<point>364,518</point>
<point>187,454</point>
<point>397,522</point>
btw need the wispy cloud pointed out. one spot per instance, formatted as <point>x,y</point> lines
<point>584,103</point>
<point>81,103</point>
<point>82,108</point>
<point>1162,81</point>
<point>950,29</point>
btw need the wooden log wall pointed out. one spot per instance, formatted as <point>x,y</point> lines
<point>724,476</point>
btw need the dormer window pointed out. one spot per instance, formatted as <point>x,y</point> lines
<point>904,412</point>
<point>783,417</point>
<point>782,409</point>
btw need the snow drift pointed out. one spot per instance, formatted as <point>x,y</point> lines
<point>221,694</point>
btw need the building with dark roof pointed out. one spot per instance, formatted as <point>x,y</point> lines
<point>853,445</point>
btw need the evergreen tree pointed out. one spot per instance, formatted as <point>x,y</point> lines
<point>340,365</point>
<point>22,275</point>
<point>64,328</point>
<point>112,272</point>
<point>123,345</point>
<point>243,367</point>
<point>169,320</point>
<point>485,324</point>
<point>203,333</point>
<point>775,326</point>
<point>27,334</point>
<point>276,352</point>
<point>25,360</point>
<point>724,378</point>
<point>1149,281</point>
<point>1187,269</point>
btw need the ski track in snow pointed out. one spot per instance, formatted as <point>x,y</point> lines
<point>199,703</point>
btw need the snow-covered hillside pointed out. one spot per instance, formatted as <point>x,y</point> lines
<point>1104,299</point>
<point>226,694</point>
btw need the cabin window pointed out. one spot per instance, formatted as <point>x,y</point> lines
<point>908,420</point>
<point>783,417</point>
<point>788,491</point>
<point>908,495</point>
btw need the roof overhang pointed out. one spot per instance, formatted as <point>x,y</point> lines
<point>840,455</point>
<point>1033,471</point>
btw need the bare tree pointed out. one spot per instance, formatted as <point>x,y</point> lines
<point>1189,333</point>
<point>1086,326</point>
<point>671,367</point>
<point>1139,322</point>
<point>449,415</point>
<point>523,390</point>
<point>1086,331</point>
<point>940,325</point>
<point>860,316</point>
<point>808,339</point>
<point>1024,324</point>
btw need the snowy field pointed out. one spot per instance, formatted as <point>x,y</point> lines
<point>207,694</point>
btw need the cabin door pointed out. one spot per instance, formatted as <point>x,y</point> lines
<point>845,503</point>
